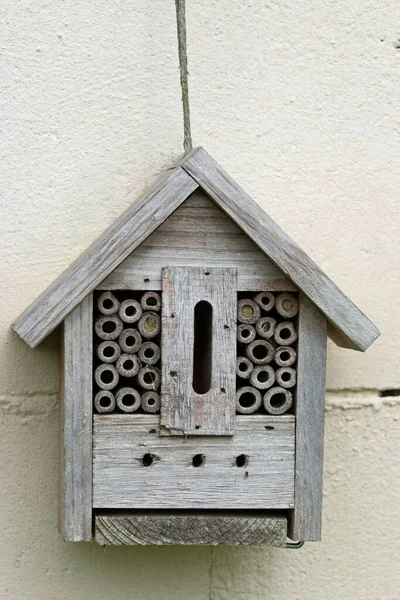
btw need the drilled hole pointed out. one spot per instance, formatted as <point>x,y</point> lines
<point>223,390</point>
<point>198,460</point>
<point>146,280</point>
<point>198,427</point>
<point>128,400</point>
<point>247,400</point>
<point>241,460</point>
<point>147,460</point>
<point>149,377</point>
<point>278,400</point>
<point>108,351</point>
<point>105,401</point>
<point>260,352</point>
<point>107,377</point>
<point>109,327</point>
<point>206,272</point>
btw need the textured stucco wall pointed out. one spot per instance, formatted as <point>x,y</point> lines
<point>299,101</point>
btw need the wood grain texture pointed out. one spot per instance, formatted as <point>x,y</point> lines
<point>103,256</point>
<point>310,404</point>
<point>197,233</point>
<point>77,423</point>
<point>183,411</point>
<point>218,529</point>
<point>172,482</point>
<point>355,329</point>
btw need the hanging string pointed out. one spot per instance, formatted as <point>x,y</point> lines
<point>181,29</point>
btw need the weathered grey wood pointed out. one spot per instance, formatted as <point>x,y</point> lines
<point>307,514</point>
<point>103,256</point>
<point>183,411</point>
<point>77,423</point>
<point>215,529</point>
<point>356,329</point>
<point>197,233</point>
<point>171,482</point>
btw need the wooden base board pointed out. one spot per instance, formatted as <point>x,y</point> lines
<point>206,529</point>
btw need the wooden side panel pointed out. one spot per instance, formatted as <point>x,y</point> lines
<point>219,529</point>
<point>185,411</point>
<point>125,478</point>
<point>197,233</point>
<point>103,256</point>
<point>354,328</point>
<point>77,423</point>
<point>307,514</point>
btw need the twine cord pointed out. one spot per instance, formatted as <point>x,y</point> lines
<point>183,67</point>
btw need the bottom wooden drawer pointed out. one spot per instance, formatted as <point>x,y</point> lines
<point>135,468</point>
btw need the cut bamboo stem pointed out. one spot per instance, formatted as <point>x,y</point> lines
<point>151,402</point>
<point>244,367</point>
<point>265,300</point>
<point>106,377</point>
<point>130,341</point>
<point>107,304</point>
<point>260,352</point>
<point>128,399</point>
<point>265,327</point>
<point>128,365</point>
<point>151,301</point>
<point>248,312</point>
<point>285,356</point>
<point>108,328</point>
<point>248,400</point>
<point>262,377</point>
<point>149,378</point>
<point>286,377</point>
<point>277,400</point>
<point>108,352</point>
<point>285,334</point>
<point>104,401</point>
<point>246,333</point>
<point>130,311</point>
<point>287,305</point>
<point>149,325</point>
<point>149,353</point>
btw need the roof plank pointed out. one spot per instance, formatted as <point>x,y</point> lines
<point>354,329</point>
<point>103,256</point>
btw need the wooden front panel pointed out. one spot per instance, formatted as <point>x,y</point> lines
<point>135,468</point>
<point>207,408</point>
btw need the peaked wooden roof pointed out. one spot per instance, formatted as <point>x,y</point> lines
<point>349,326</point>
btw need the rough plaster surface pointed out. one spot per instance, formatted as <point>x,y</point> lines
<point>299,102</point>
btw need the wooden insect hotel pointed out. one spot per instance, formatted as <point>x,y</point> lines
<point>193,371</point>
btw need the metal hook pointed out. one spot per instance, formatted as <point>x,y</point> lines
<point>295,545</point>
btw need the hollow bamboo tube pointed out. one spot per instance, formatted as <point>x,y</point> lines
<point>128,365</point>
<point>151,402</point>
<point>149,325</point>
<point>107,304</point>
<point>285,356</point>
<point>286,377</point>
<point>149,378</point>
<point>243,367</point>
<point>128,399</point>
<point>248,400</point>
<point>285,334</point>
<point>104,401</point>
<point>262,377</point>
<point>265,327</point>
<point>108,328</point>
<point>248,312</point>
<point>108,352</point>
<point>130,311</point>
<point>149,353</point>
<point>260,352</point>
<point>151,301</point>
<point>130,341</point>
<point>106,377</point>
<point>287,305</point>
<point>246,333</point>
<point>265,300</point>
<point>277,400</point>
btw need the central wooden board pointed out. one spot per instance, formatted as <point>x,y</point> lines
<point>185,411</point>
<point>121,481</point>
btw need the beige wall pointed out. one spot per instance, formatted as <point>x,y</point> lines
<point>299,101</point>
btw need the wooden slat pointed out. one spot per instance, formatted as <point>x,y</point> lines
<point>307,514</point>
<point>77,423</point>
<point>172,482</point>
<point>219,529</point>
<point>183,411</point>
<point>355,329</point>
<point>197,233</point>
<point>103,256</point>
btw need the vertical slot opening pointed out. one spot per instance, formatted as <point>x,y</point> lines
<point>202,352</point>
